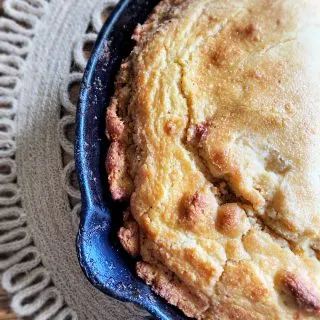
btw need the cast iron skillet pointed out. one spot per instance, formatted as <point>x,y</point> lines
<point>101,257</point>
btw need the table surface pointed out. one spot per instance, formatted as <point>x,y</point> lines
<point>5,313</point>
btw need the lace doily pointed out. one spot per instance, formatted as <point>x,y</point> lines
<point>43,52</point>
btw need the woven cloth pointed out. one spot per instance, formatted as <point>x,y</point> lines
<point>43,53</point>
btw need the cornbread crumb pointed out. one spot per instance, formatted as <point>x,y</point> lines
<point>170,288</point>
<point>129,235</point>
<point>214,130</point>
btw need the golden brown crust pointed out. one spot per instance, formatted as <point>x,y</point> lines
<point>115,127</point>
<point>171,289</point>
<point>231,219</point>
<point>199,211</point>
<point>242,294</point>
<point>196,207</point>
<point>239,279</point>
<point>119,134</point>
<point>216,127</point>
<point>302,292</point>
<point>231,312</point>
<point>129,235</point>
<point>120,184</point>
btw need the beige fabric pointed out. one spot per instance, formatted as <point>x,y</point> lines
<point>41,55</point>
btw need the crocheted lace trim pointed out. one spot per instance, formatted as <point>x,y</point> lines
<point>23,275</point>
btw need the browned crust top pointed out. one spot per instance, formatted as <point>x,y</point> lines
<point>203,129</point>
<point>302,292</point>
<point>166,285</point>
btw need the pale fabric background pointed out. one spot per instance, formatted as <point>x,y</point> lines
<point>5,310</point>
<point>44,46</point>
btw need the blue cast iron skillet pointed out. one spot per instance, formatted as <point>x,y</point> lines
<point>101,257</point>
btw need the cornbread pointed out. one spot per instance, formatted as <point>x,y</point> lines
<point>215,137</point>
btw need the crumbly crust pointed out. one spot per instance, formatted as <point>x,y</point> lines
<point>119,134</point>
<point>166,285</point>
<point>129,235</point>
<point>215,132</point>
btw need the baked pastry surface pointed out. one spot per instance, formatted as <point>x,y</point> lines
<point>215,140</point>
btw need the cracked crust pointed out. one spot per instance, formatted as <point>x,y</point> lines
<point>214,131</point>
<point>167,286</point>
